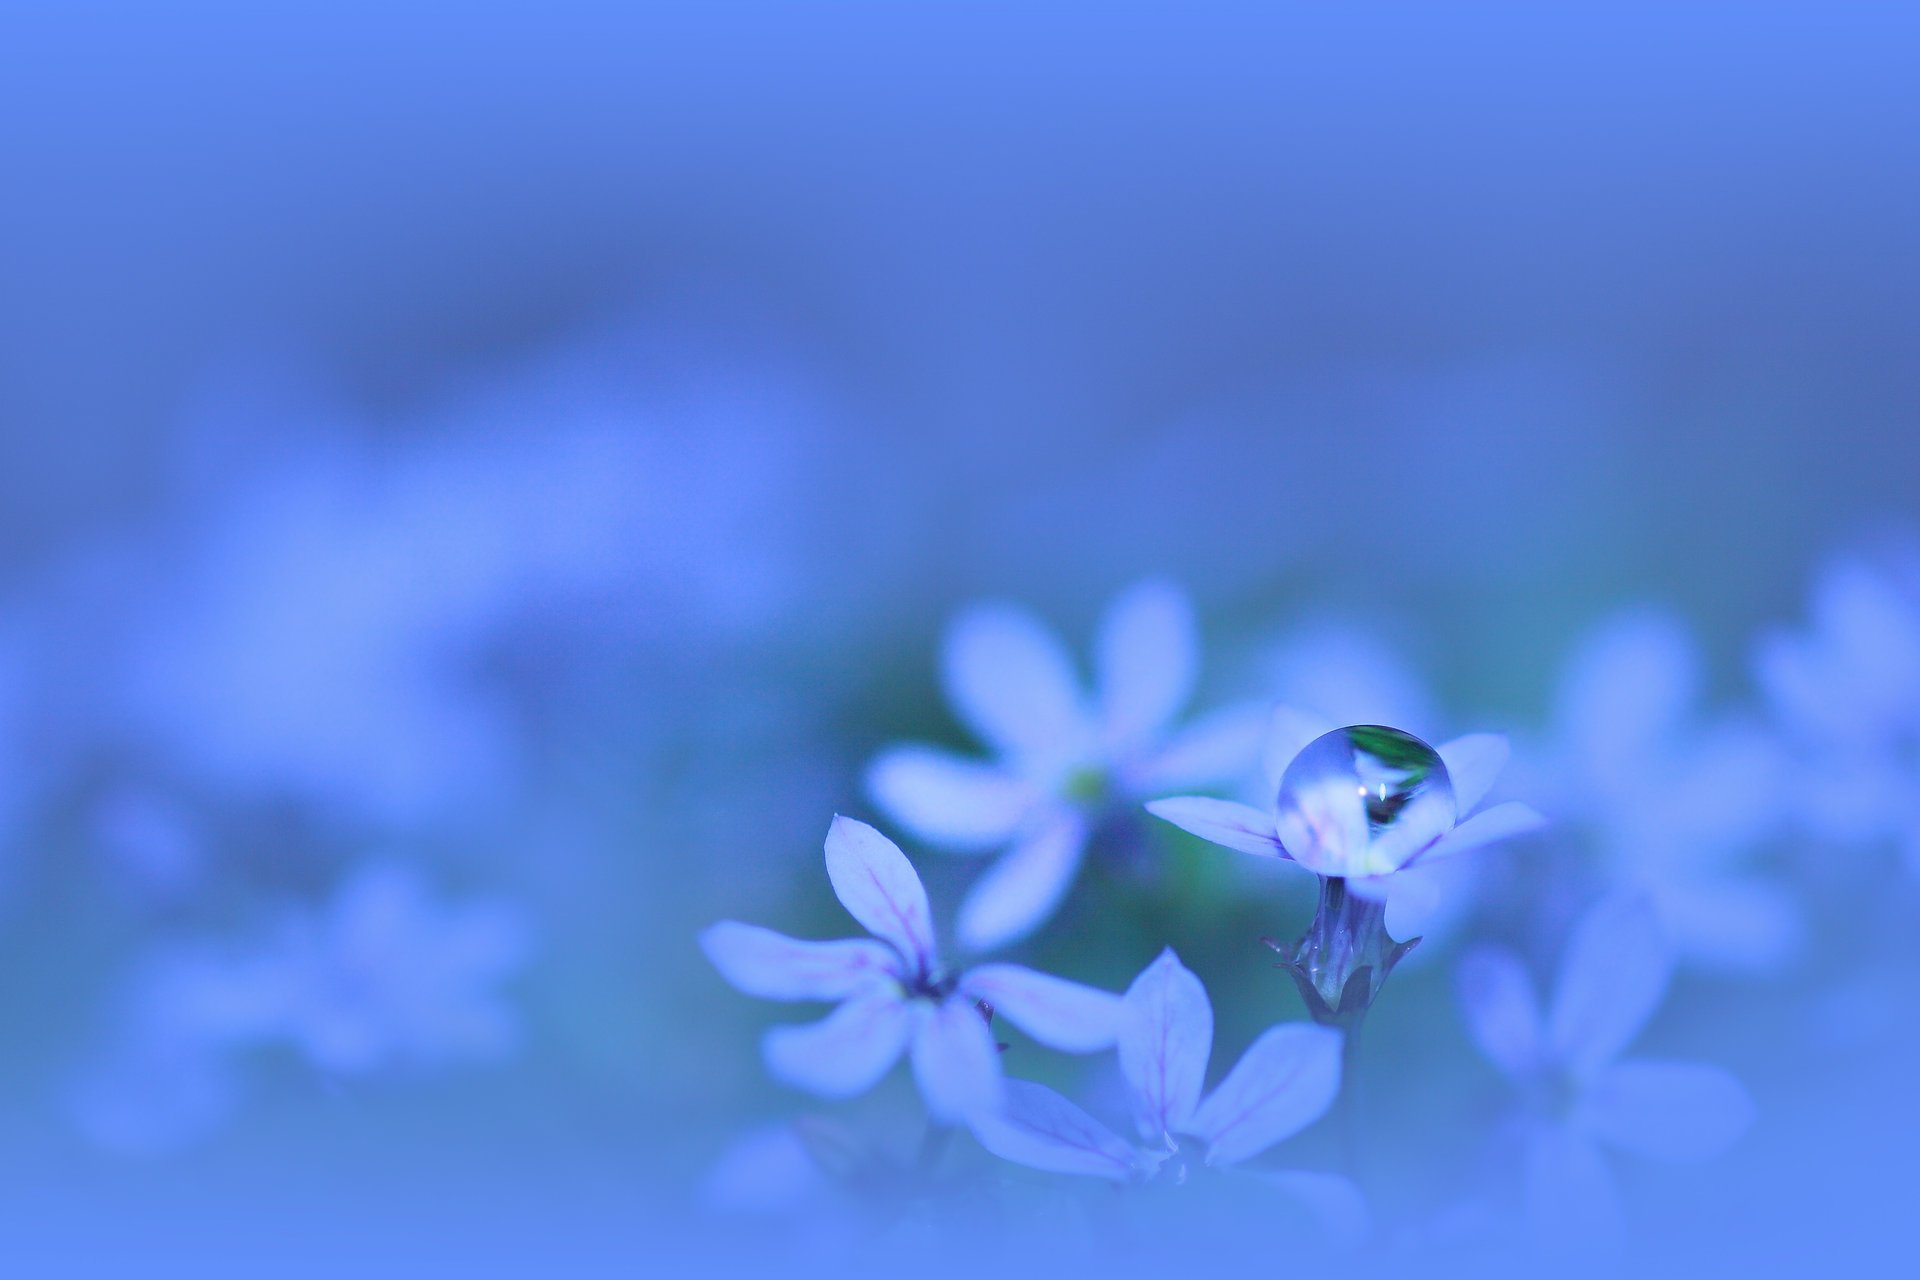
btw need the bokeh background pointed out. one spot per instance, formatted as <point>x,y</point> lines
<point>498,472</point>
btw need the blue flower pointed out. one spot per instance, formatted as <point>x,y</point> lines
<point>1847,693</point>
<point>1577,1094</point>
<point>1673,805</point>
<point>384,975</point>
<point>381,977</point>
<point>1064,757</point>
<point>1284,1082</point>
<point>894,994</point>
<point>1372,867</point>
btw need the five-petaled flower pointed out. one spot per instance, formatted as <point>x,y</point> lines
<point>1065,759</point>
<point>1672,803</point>
<point>1577,1094</point>
<point>895,996</point>
<point>1348,850</point>
<point>1283,1082</point>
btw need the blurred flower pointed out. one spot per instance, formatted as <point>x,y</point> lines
<point>1847,693</point>
<point>895,996</point>
<point>1342,672</point>
<point>338,621</point>
<point>1065,758</point>
<point>1328,817</point>
<point>1671,805</point>
<point>381,977</point>
<point>1576,1093</point>
<point>385,976</point>
<point>1283,1082</point>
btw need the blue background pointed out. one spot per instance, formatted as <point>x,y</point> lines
<point>817,322</point>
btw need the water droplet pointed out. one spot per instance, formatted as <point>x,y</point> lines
<point>1363,801</point>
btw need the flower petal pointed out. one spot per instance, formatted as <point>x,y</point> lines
<point>1060,1014</point>
<point>1164,1044</point>
<point>956,1063</point>
<point>1283,1082</point>
<point>1732,924</point>
<point>1219,748</point>
<point>1570,1195</point>
<point>1626,689</point>
<point>1237,826</point>
<point>1010,679</point>
<point>1147,656</point>
<point>773,966</point>
<point>1474,762</point>
<point>949,800</point>
<point>1428,899</point>
<point>1666,1110</point>
<point>1020,891</point>
<point>879,888</point>
<point>1611,980</point>
<point>1042,1130</point>
<point>1501,1009</point>
<point>844,1053</point>
<point>1501,822</point>
<point>1289,730</point>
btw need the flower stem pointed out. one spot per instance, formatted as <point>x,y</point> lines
<point>1352,1127</point>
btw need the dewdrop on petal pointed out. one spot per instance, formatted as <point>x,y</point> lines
<point>1363,801</point>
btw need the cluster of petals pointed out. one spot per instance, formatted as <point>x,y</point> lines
<point>1566,1061</point>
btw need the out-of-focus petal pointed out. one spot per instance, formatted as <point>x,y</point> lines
<point>1501,1009</point>
<point>1429,899</point>
<point>1733,924</point>
<point>1666,1110</point>
<point>1060,1014</point>
<point>1570,1195</point>
<point>1013,683</point>
<point>1147,655</point>
<point>1289,730</point>
<point>879,888</point>
<point>1501,822</point>
<point>1612,978</point>
<point>1237,826</point>
<point>1871,633</point>
<point>1021,890</point>
<point>1220,747</point>
<point>956,1062</point>
<point>1335,1202</point>
<point>949,800</point>
<point>1042,1130</point>
<point>1164,1044</point>
<point>846,1052</point>
<point>773,966</point>
<point>1473,763</point>
<point>1626,688</point>
<point>1283,1082</point>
